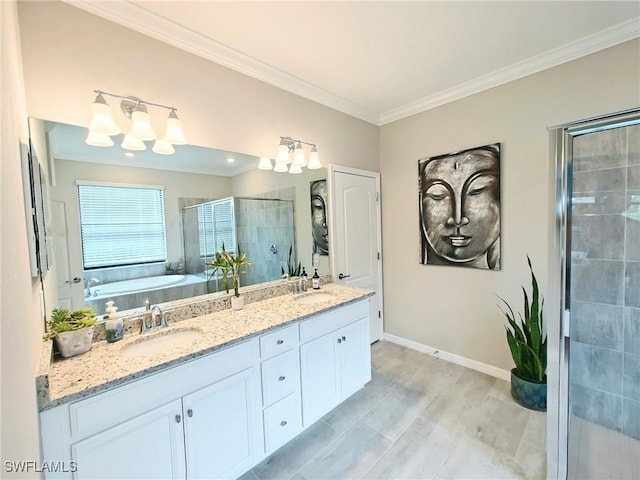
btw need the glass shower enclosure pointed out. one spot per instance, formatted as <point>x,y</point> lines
<point>600,346</point>
<point>263,228</point>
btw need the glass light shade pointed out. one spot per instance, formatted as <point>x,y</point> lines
<point>163,148</point>
<point>140,126</point>
<point>265,164</point>
<point>298,156</point>
<point>314,160</point>
<point>283,154</point>
<point>280,167</point>
<point>174,134</point>
<point>295,168</point>
<point>132,143</point>
<point>98,139</point>
<point>101,120</point>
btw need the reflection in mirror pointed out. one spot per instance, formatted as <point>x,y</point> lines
<point>266,213</point>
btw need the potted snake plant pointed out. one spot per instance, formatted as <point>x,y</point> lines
<point>229,265</point>
<point>527,341</point>
<point>72,331</point>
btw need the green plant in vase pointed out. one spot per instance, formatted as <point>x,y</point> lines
<point>293,270</point>
<point>71,330</point>
<point>230,266</point>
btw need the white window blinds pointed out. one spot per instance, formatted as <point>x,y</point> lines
<point>121,225</point>
<point>216,227</point>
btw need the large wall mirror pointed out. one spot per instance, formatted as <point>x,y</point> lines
<point>130,226</point>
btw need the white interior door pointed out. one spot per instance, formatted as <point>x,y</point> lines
<point>70,287</point>
<point>355,235</point>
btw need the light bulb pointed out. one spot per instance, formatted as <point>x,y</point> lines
<point>98,139</point>
<point>101,120</point>
<point>283,153</point>
<point>295,168</point>
<point>265,164</point>
<point>132,143</point>
<point>162,147</point>
<point>314,159</point>
<point>174,134</point>
<point>298,156</point>
<point>140,125</point>
<point>280,167</point>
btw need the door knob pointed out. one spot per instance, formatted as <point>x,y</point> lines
<point>75,280</point>
<point>341,276</point>
<point>190,413</point>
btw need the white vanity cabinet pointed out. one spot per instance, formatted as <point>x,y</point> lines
<point>335,358</point>
<point>199,420</point>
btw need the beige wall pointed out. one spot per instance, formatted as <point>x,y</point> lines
<point>20,306</point>
<point>68,53</point>
<point>454,309</point>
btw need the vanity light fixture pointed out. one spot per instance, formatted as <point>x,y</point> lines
<point>284,162</point>
<point>103,127</point>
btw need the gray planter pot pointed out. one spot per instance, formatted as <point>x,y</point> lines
<point>74,342</point>
<point>529,394</point>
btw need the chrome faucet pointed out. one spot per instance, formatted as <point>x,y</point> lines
<point>156,312</point>
<point>88,284</point>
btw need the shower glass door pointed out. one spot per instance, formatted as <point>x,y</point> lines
<point>602,294</point>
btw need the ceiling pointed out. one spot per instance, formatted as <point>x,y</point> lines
<point>382,61</point>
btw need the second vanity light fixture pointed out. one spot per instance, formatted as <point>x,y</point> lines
<point>284,162</point>
<point>103,127</point>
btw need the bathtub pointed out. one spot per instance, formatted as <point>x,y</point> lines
<point>136,285</point>
<point>129,294</point>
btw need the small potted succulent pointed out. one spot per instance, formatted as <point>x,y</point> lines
<point>229,265</point>
<point>528,344</point>
<point>72,331</point>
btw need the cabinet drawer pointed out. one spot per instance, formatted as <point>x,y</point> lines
<point>282,422</point>
<point>279,341</point>
<point>280,377</point>
<point>333,320</point>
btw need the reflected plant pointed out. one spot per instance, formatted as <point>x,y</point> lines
<point>229,265</point>
<point>293,270</point>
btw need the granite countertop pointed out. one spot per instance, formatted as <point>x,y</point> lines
<point>105,367</point>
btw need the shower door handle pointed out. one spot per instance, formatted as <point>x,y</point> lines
<point>566,323</point>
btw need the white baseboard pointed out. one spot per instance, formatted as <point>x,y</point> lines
<point>450,357</point>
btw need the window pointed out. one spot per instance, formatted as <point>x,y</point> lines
<point>215,222</point>
<point>121,225</point>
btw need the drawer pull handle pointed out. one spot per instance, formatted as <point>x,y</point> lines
<point>339,340</point>
<point>282,377</point>
<point>344,339</point>
<point>190,413</point>
<point>280,342</point>
<point>178,418</point>
<point>283,423</point>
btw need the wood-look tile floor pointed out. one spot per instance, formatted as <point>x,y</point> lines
<point>419,417</point>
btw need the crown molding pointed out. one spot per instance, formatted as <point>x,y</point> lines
<point>138,19</point>
<point>609,37</point>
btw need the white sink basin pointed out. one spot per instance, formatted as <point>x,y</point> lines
<point>314,298</point>
<point>160,342</point>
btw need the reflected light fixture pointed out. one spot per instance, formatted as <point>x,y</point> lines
<point>284,163</point>
<point>102,125</point>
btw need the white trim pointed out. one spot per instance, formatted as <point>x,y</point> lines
<point>609,37</point>
<point>124,185</point>
<point>450,357</point>
<point>141,20</point>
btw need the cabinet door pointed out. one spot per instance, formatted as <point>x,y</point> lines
<point>221,426</point>
<point>355,357</point>
<point>319,365</point>
<point>149,446</point>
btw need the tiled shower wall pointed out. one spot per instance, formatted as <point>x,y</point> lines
<point>265,231</point>
<point>604,373</point>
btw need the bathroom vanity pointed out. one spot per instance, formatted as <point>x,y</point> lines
<point>244,384</point>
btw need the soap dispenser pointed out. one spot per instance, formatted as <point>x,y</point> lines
<point>304,281</point>
<point>114,326</point>
<point>315,280</point>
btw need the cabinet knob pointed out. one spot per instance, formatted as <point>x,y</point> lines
<point>280,342</point>
<point>282,377</point>
<point>344,339</point>
<point>339,340</point>
<point>283,423</point>
<point>190,413</point>
<point>178,418</point>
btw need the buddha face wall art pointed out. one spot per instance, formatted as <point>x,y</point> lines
<point>459,204</point>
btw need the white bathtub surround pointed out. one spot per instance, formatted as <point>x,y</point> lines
<point>105,367</point>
